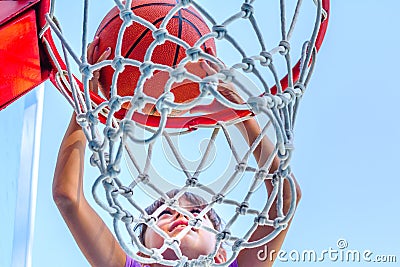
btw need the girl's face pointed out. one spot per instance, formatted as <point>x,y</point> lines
<point>195,243</point>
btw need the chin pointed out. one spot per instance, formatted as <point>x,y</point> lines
<point>192,247</point>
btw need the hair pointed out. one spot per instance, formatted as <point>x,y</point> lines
<point>194,199</point>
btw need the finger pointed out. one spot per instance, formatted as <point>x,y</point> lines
<point>230,93</point>
<point>214,66</point>
<point>214,106</point>
<point>104,55</point>
<point>91,49</point>
<point>94,84</point>
<point>206,67</point>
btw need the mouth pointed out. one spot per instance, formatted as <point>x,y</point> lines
<point>180,224</point>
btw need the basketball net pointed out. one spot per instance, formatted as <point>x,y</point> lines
<point>136,135</point>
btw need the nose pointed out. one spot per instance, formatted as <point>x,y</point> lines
<point>178,215</point>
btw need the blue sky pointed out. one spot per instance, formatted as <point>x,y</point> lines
<point>346,155</point>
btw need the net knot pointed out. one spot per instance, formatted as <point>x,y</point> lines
<point>250,64</point>
<point>242,210</point>
<point>161,104</point>
<point>292,94</point>
<point>218,198</point>
<point>127,126</point>
<point>171,242</point>
<point>113,170</point>
<point>209,84</point>
<point>266,58</point>
<point>229,75</point>
<point>192,182</point>
<point>279,101</point>
<point>126,191</point>
<point>248,10</point>
<point>286,47</point>
<point>290,135</point>
<point>160,35</point>
<point>274,101</point>
<point>262,174</point>
<point>285,100</point>
<point>122,215</point>
<point>115,192</point>
<point>84,68</point>
<point>286,153</point>
<point>186,3</point>
<point>127,218</point>
<point>193,53</point>
<point>108,183</point>
<point>257,103</point>
<point>94,145</point>
<point>278,222</point>
<point>92,118</point>
<point>110,132</point>
<point>127,16</point>
<point>156,255</point>
<point>151,221</point>
<point>289,144</point>
<point>178,74</point>
<point>241,167</point>
<point>146,68</point>
<point>220,30</point>
<point>115,103</point>
<point>276,177</point>
<point>237,245</point>
<point>81,119</point>
<point>94,159</point>
<point>261,220</point>
<point>223,236</point>
<point>118,63</point>
<point>202,261</point>
<point>116,213</point>
<point>171,202</point>
<point>210,81</point>
<point>195,223</point>
<point>138,101</point>
<point>299,89</point>
<point>285,172</point>
<point>143,178</point>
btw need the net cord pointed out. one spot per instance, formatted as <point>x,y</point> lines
<point>107,149</point>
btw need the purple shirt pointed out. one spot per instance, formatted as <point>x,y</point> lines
<point>132,263</point>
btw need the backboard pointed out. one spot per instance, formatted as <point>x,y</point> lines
<point>20,68</point>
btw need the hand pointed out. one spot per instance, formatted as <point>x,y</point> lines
<point>92,50</point>
<point>225,89</point>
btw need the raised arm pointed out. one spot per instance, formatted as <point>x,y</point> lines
<point>251,257</point>
<point>250,131</point>
<point>91,234</point>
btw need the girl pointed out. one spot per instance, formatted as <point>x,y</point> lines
<point>96,241</point>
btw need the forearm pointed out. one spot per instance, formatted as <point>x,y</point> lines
<point>68,175</point>
<point>250,131</point>
<point>93,237</point>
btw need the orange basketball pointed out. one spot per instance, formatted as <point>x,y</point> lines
<point>186,24</point>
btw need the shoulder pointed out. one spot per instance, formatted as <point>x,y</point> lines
<point>131,262</point>
<point>234,264</point>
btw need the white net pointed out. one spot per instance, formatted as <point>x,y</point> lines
<point>231,163</point>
